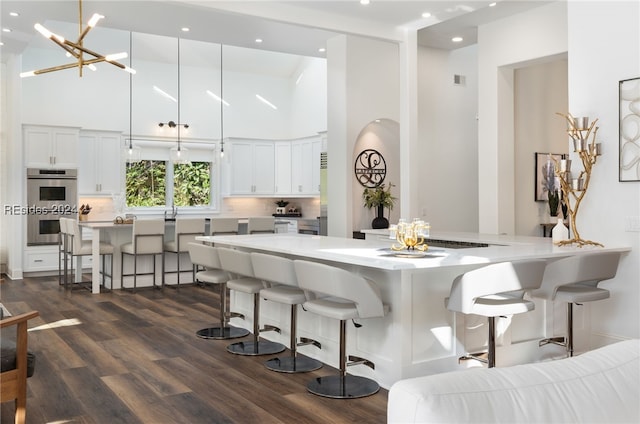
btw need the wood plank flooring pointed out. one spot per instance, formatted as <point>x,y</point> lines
<point>134,358</point>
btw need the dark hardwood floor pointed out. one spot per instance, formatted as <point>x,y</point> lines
<point>134,358</point>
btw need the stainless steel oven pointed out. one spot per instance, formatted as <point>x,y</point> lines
<point>51,194</point>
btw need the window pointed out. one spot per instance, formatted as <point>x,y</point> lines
<point>146,183</point>
<point>158,183</point>
<point>192,184</point>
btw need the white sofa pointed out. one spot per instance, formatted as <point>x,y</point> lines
<point>598,386</point>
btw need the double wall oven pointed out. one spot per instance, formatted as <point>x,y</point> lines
<point>51,194</point>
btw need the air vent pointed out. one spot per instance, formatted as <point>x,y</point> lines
<point>323,160</point>
<point>458,79</point>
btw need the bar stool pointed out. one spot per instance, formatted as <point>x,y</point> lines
<point>261,224</point>
<point>62,252</point>
<point>239,264</point>
<point>77,246</point>
<point>186,231</point>
<point>575,280</point>
<point>494,291</point>
<point>220,225</point>
<point>279,270</point>
<point>351,297</point>
<point>147,240</point>
<point>207,257</point>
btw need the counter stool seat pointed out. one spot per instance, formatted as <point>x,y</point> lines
<point>147,240</point>
<point>239,264</point>
<point>493,291</point>
<point>186,231</point>
<point>281,271</point>
<point>575,280</point>
<point>207,257</point>
<point>350,296</point>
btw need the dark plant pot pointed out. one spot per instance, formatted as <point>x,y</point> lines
<point>380,221</point>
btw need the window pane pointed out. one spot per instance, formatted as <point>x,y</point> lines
<point>192,184</point>
<point>146,183</point>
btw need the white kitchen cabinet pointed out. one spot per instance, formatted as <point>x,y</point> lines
<point>305,166</point>
<point>252,169</point>
<point>100,166</point>
<point>50,146</point>
<point>283,167</point>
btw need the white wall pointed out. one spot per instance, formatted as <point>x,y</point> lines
<point>540,92</point>
<point>448,139</point>
<point>604,48</point>
<point>363,85</point>
<point>504,45</point>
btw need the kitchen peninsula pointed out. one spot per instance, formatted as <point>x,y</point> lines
<point>418,336</point>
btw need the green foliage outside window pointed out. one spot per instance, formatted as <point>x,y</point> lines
<point>192,184</point>
<point>145,182</point>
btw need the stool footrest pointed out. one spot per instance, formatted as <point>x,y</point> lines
<point>356,360</point>
<point>304,341</point>
<point>560,341</point>
<point>268,327</point>
<point>235,315</point>
<point>481,356</point>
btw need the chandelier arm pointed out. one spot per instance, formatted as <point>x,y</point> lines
<point>92,53</point>
<point>56,68</point>
<point>84,33</point>
<point>69,50</point>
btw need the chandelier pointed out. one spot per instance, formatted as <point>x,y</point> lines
<point>78,50</point>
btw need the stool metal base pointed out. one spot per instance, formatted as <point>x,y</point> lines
<point>222,333</point>
<point>293,364</point>
<point>347,387</point>
<point>252,348</point>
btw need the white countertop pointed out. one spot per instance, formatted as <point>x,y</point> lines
<point>376,253</point>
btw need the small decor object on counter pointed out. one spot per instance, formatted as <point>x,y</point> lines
<point>411,236</point>
<point>84,212</point>
<point>379,198</point>
<point>559,232</point>
<point>282,205</point>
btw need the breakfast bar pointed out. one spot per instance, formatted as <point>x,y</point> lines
<point>419,335</point>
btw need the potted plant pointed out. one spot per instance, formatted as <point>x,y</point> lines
<point>380,198</point>
<point>554,201</point>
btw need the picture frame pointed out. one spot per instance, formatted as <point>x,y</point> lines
<point>543,173</point>
<point>629,130</point>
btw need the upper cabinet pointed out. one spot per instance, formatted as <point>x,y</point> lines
<point>50,146</point>
<point>252,170</point>
<point>288,168</point>
<point>305,166</point>
<point>100,167</point>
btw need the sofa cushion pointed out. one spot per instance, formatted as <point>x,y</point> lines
<point>8,357</point>
<point>597,386</point>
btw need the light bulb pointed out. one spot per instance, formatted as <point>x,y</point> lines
<point>94,19</point>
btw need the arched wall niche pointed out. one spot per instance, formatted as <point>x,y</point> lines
<point>382,135</point>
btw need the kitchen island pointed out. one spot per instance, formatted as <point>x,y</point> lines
<point>419,336</point>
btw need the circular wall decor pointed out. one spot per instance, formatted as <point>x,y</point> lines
<point>370,168</point>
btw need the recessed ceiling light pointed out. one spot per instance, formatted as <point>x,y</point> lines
<point>322,50</point>
<point>1,43</point>
<point>426,15</point>
<point>184,29</point>
<point>365,2</point>
<point>492,4</point>
<point>6,30</point>
<point>457,39</point>
<point>258,40</point>
<point>14,14</point>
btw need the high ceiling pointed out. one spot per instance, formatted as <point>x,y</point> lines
<point>299,27</point>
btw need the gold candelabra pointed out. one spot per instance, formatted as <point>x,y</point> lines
<point>410,236</point>
<point>574,189</point>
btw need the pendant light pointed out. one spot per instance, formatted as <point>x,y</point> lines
<point>131,153</point>
<point>179,154</point>
<point>221,108</point>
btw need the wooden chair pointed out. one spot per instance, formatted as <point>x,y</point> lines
<point>13,383</point>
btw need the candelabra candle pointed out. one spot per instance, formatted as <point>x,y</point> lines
<point>579,145</point>
<point>565,165</point>
<point>596,149</point>
<point>577,184</point>
<point>581,123</point>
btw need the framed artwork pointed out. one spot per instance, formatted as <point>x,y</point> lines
<point>545,177</point>
<point>629,131</point>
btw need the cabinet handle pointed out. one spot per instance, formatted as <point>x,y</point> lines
<point>38,260</point>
